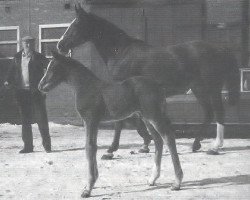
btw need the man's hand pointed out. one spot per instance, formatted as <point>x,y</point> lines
<point>6,85</point>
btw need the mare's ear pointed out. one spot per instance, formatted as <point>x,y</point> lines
<point>80,12</point>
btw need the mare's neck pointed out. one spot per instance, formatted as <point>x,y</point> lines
<point>109,45</point>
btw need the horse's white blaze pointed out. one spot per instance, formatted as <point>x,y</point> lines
<point>62,37</point>
<point>45,74</point>
<point>220,136</point>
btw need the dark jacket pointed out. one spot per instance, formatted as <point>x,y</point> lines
<point>37,66</point>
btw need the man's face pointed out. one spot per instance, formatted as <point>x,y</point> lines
<point>28,46</point>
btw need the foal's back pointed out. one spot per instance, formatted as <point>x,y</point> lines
<point>136,94</point>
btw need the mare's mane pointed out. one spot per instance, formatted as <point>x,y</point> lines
<point>110,30</point>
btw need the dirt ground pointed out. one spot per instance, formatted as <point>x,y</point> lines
<point>62,174</point>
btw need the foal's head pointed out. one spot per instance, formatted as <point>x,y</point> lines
<point>55,74</point>
<point>80,30</point>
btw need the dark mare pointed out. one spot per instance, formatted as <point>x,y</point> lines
<point>98,101</point>
<point>198,65</point>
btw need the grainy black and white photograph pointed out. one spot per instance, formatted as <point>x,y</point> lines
<point>124,99</point>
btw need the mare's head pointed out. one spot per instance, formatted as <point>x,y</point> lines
<point>80,31</point>
<point>55,74</point>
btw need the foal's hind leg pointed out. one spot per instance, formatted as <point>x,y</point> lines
<point>91,149</point>
<point>142,131</point>
<point>220,115</point>
<point>158,154</point>
<point>168,137</point>
<point>116,140</point>
<point>204,100</point>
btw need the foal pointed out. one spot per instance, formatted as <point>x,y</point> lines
<point>98,101</point>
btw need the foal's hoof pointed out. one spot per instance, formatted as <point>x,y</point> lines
<point>144,150</point>
<point>175,187</point>
<point>212,152</point>
<point>196,146</point>
<point>85,194</point>
<point>108,156</point>
<point>151,183</point>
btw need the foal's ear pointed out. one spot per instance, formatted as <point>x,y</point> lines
<point>55,54</point>
<point>80,11</point>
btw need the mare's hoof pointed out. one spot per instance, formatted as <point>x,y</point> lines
<point>212,152</point>
<point>85,194</point>
<point>108,156</point>
<point>196,146</point>
<point>175,187</point>
<point>144,150</point>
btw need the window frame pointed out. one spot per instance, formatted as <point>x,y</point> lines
<point>48,26</point>
<point>242,70</point>
<point>17,41</point>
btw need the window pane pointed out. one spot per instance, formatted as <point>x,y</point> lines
<point>48,47</point>
<point>53,33</point>
<point>7,50</point>
<point>7,35</point>
<point>246,81</point>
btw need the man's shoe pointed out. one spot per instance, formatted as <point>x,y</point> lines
<point>48,150</point>
<point>26,150</point>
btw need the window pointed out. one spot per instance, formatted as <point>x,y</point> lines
<point>9,41</point>
<point>49,35</point>
<point>245,80</point>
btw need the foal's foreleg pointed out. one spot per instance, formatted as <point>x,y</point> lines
<point>158,154</point>
<point>91,149</point>
<point>168,137</point>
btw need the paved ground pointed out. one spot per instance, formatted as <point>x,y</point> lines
<point>62,174</point>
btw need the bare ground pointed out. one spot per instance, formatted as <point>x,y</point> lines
<point>62,174</point>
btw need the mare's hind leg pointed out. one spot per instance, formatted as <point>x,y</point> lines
<point>143,132</point>
<point>168,136</point>
<point>158,154</point>
<point>219,115</point>
<point>204,100</point>
<point>116,140</point>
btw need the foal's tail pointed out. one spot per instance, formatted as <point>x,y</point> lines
<point>232,79</point>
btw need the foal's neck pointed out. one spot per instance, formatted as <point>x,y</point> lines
<point>82,80</point>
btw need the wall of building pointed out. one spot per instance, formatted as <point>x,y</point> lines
<point>157,22</point>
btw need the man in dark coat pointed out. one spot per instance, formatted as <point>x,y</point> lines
<point>24,75</point>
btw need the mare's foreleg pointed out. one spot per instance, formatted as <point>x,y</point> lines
<point>204,100</point>
<point>91,149</point>
<point>116,140</point>
<point>220,116</point>
<point>143,132</point>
